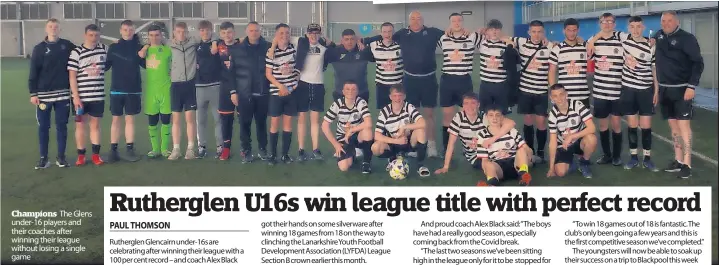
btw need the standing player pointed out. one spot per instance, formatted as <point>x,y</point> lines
<point>465,126</point>
<point>571,132</point>
<point>126,89</point>
<point>157,91</point>
<point>568,64</point>
<point>493,88</point>
<point>679,69</point>
<point>251,93</point>
<point>349,61</point>
<point>50,89</point>
<point>228,100</point>
<point>418,44</point>
<point>506,158</point>
<point>457,65</point>
<point>533,100</point>
<point>354,128</point>
<point>87,82</point>
<point>310,93</point>
<point>606,48</point>
<point>400,129</point>
<point>283,76</point>
<point>207,85</point>
<point>639,92</point>
<point>389,64</point>
<point>183,92</point>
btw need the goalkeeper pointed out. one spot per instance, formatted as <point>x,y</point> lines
<point>157,92</point>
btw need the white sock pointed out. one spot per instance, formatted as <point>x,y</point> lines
<point>175,146</point>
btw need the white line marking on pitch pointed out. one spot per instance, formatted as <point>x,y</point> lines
<point>695,153</point>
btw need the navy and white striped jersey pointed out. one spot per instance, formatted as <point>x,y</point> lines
<point>458,53</point>
<point>90,67</point>
<point>609,57</point>
<point>573,121</point>
<point>534,79</point>
<point>346,116</point>
<point>388,122</point>
<point>638,63</point>
<point>491,61</point>
<point>505,147</point>
<point>467,131</point>
<point>389,67</point>
<point>283,68</point>
<point>571,63</point>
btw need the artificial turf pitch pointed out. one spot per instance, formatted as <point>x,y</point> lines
<point>73,188</point>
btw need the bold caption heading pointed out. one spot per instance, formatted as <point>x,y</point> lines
<point>394,206</point>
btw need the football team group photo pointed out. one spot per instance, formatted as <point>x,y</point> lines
<point>508,110</point>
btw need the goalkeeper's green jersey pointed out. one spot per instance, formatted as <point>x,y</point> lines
<point>158,61</point>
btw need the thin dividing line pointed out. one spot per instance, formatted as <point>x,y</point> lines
<point>180,231</point>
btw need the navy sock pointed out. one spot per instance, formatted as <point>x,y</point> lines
<point>367,151</point>
<point>273,144</point>
<point>445,136</point>
<point>617,145</point>
<point>541,141</point>
<point>286,141</point>
<point>604,139</point>
<point>95,149</point>
<point>421,153</point>
<point>529,135</point>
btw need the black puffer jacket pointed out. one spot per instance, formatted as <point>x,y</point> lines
<point>248,65</point>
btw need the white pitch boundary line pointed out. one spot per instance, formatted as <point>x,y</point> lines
<point>695,153</point>
<point>666,140</point>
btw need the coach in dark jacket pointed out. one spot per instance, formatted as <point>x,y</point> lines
<point>251,89</point>
<point>679,66</point>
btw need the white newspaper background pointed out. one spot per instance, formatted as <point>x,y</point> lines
<point>288,233</point>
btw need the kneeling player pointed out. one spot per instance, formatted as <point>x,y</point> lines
<point>465,126</point>
<point>400,129</point>
<point>508,157</point>
<point>354,128</point>
<point>571,132</point>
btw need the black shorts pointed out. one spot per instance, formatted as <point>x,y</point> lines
<point>382,94</point>
<point>603,108</point>
<point>309,97</point>
<point>93,108</point>
<point>566,156</point>
<point>421,91</point>
<point>673,105</point>
<point>637,101</point>
<point>125,104</point>
<point>396,149</point>
<point>452,88</point>
<point>282,106</point>
<point>536,104</point>
<point>362,95</point>
<point>183,96</point>
<point>507,167</point>
<point>349,148</point>
<point>494,94</point>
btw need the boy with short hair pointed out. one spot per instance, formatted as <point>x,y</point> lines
<point>87,82</point>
